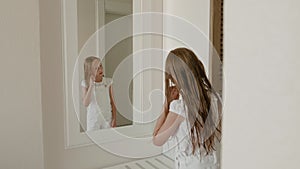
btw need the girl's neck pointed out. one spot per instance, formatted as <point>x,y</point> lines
<point>98,80</point>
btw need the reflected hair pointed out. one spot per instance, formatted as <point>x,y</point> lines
<point>186,71</point>
<point>88,66</point>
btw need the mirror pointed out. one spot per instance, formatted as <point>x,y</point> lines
<point>97,109</point>
<point>86,33</point>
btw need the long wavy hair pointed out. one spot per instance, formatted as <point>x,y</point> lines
<point>186,71</point>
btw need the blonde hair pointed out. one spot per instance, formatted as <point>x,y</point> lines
<point>187,72</point>
<point>88,64</point>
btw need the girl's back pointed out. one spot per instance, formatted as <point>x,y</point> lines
<point>184,157</point>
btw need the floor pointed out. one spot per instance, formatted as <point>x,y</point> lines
<point>157,162</point>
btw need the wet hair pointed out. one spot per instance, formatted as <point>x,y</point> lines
<point>186,71</point>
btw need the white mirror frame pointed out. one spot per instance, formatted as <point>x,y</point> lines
<point>73,137</point>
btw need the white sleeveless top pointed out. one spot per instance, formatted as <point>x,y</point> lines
<point>184,158</point>
<point>99,111</point>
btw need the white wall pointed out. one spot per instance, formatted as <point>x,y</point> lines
<point>262,66</point>
<point>195,12</point>
<point>21,143</point>
<point>56,156</point>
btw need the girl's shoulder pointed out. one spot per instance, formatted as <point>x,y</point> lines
<point>83,83</point>
<point>108,81</point>
<point>178,107</point>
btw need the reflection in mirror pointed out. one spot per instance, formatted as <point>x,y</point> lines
<point>98,110</point>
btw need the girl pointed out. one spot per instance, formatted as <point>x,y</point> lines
<point>97,96</point>
<point>191,112</point>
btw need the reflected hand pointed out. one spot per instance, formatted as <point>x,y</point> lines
<point>92,80</point>
<point>113,123</point>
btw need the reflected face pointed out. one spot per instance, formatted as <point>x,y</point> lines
<point>97,70</point>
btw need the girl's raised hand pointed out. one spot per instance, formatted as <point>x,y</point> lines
<point>113,123</point>
<point>174,93</point>
<point>92,80</point>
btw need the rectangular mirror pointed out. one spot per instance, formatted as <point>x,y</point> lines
<point>91,16</point>
<point>81,20</point>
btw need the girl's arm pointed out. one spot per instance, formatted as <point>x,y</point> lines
<point>168,128</point>
<point>174,94</point>
<point>86,96</point>
<point>161,118</point>
<point>168,122</point>
<point>86,93</point>
<point>113,108</point>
